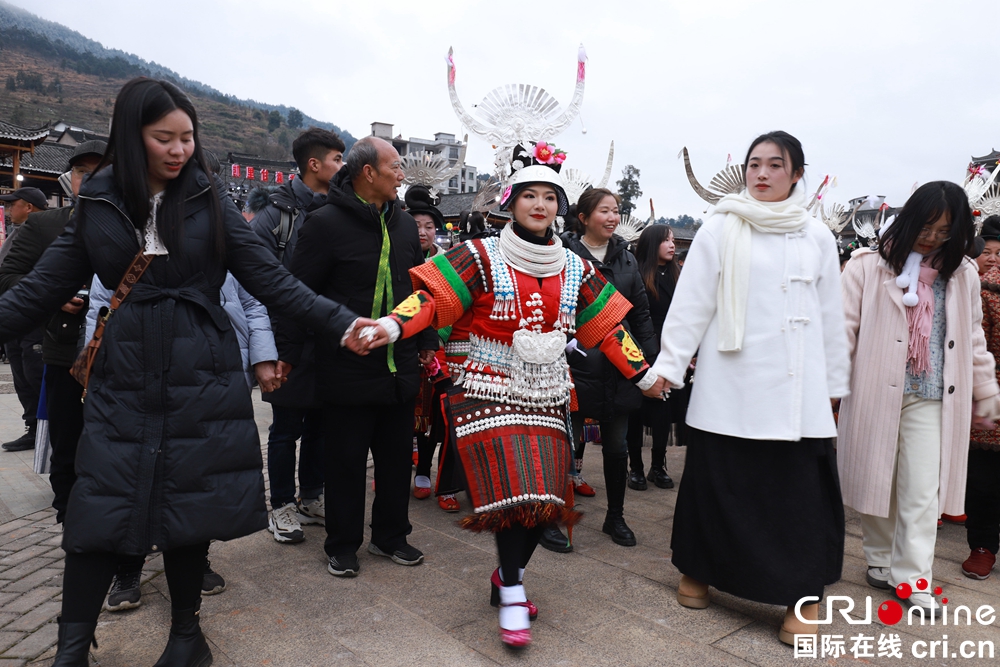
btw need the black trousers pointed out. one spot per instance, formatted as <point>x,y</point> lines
<point>350,431</point>
<point>661,437</point>
<point>62,399</point>
<point>88,577</point>
<point>25,355</point>
<point>982,500</point>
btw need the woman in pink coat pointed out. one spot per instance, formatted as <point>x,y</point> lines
<point>920,369</point>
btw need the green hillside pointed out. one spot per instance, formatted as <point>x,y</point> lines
<point>53,73</point>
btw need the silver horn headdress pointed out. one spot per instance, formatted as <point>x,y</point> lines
<point>518,113</point>
<point>728,181</point>
<point>576,181</point>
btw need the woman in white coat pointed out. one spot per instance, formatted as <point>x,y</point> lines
<point>920,367</point>
<point>759,513</point>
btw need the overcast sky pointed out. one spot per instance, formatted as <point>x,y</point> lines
<point>882,93</point>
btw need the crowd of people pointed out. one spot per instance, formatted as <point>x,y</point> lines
<point>505,353</point>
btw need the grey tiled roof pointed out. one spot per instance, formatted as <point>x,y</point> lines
<point>49,158</point>
<point>16,133</point>
<point>451,206</point>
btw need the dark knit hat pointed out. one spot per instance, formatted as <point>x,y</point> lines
<point>991,228</point>
<point>419,199</point>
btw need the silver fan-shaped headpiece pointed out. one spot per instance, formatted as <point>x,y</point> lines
<point>630,228</point>
<point>519,113</point>
<point>431,169</point>
<point>575,181</point>
<point>728,181</point>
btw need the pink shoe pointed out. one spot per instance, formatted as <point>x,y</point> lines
<point>495,584</point>
<point>515,628</point>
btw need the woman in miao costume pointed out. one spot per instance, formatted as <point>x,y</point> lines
<point>508,421</point>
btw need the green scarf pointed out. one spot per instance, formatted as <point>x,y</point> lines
<point>383,282</point>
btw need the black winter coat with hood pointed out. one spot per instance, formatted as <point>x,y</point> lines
<point>602,391</point>
<point>338,253</point>
<point>169,454</point>
<point>296,199</point>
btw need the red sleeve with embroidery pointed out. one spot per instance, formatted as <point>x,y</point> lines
<point>444,288</point>
<point>600,311</point>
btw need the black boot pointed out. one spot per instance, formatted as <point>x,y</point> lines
<point>74,644</point>
<point>187,646</point>
<point>615,474</point>
<point>553,539</point>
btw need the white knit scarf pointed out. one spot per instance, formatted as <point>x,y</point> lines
<point>539,261</point>
<point>744,213</point>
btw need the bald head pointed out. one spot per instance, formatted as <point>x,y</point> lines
<point>375,170</point>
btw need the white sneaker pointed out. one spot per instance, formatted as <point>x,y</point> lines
<point>311,513</point>
<point>878,577</point>
<point>926,602</point>
<point>284,524</point>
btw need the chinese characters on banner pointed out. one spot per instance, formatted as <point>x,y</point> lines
<point>279,177</point>
<point>236,171</point>
<point>263,175</point>
<point>250,173</point>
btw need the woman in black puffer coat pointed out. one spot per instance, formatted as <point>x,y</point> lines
<point>658,268</point>
<point>169,457</point>
<point>602,392</point>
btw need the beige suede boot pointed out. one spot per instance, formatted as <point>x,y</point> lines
<point>692,594</point>
<point>793,626</point>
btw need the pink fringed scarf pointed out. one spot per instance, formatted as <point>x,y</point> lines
<point>920,319</point>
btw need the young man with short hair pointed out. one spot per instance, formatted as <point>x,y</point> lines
<point>319,155</point>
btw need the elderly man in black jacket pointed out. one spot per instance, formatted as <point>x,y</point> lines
<point>358,249</point>
<point>60,337</point>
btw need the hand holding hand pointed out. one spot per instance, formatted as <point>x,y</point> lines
<point>658,390</point>
<point>282,370</point>
<point>267,376</point>
<point>367,335</point>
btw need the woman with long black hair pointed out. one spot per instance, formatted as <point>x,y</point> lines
<point>169,458</point>
<point>655,254</point>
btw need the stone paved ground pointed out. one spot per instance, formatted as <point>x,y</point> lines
<point>601,605</point>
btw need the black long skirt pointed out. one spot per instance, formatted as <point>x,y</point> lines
<point>760,519</point>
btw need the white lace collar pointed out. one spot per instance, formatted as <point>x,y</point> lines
<point>153,245</point>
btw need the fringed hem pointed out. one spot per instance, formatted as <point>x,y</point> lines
<point>528,515</point>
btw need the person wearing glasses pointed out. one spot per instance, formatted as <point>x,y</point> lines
<point>921,375</point>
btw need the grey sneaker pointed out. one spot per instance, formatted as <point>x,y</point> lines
<point>878,577</point>
<point>284,524</point>
<point>124,593</point>
<point>404,555</point>
<point>312,512</point>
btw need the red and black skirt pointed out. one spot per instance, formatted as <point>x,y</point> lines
<point>516,462</point>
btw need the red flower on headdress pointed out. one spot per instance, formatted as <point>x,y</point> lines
<point>544,153</point>
<point>559,157</point>
<point>506,195</point>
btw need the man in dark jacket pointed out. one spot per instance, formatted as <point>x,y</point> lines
<point>358,249</point>
<point>61,336</point>
<point>24,353</point>
<point>319,155</point>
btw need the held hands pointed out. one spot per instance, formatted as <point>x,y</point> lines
<point>366,335</point>
<point>282,370</point>
<point>267,375</point>
<point>658,390</point>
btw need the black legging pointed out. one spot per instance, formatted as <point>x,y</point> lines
<point>661,436</point>
<point>514,547</point>
<point>88,577</point>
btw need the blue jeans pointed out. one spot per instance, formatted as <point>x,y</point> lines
<point>289,425</point>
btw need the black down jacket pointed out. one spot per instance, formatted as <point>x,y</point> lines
<point>338,255</point>
<point>292,197</point>
<point>169,454</point>
<point>601,391</point>
<point>61,341</point>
